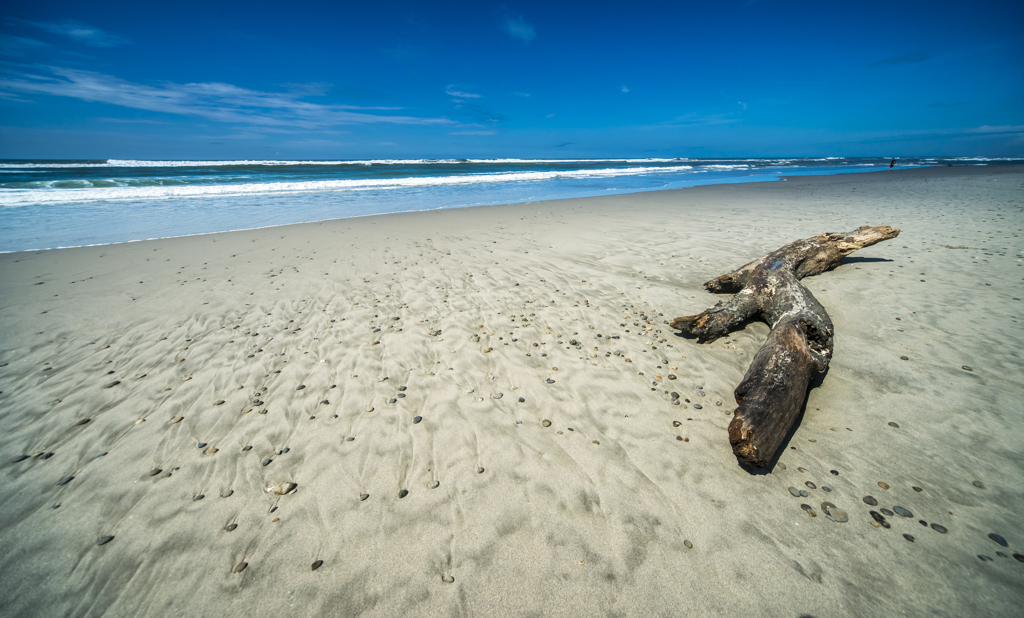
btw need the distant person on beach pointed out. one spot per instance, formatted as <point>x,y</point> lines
<point>892,163</point>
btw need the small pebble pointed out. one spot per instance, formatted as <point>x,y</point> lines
<point>998,539</point>
<point>435,484</point>
<point>834,513</point>
<point>282,489</point>
<point>247,448</point>
<point>676,423</point>
<point>1018,557</point>
<point>810,484</point>
<point>480,470</point>
<point>879,518</point>
<point>416,419</point>
<point>448,579</point>
<point>19,458</point>
<point>916,488</point>
<point>65,480</point>
<point>923,522</point>
<point>201,445</point>
<point>697,406</point>
<point>317,564</point>
<point>782,466</point>
<point>103,540</point>
<point>198,498</point>
<point>300,387</point>
<point>266,462</point>
<point>834,472</point>
<point>904,358</point>
<point>902,512</point>
<point>392,400</point>
<point>230,527</point>
<point>870,500</point>
<point>403,493</point>
<point>966,368</point>
<point>177,419</point>
<point>939,528</point>
<point>892,424</point>
<point>978,484</point>
<point>227,494</point>
<point>549,381</point>
<point>998,553</point>
<point>803,493</point>
<point>155,471</point>
<point>909,537</point>
<point>239,567</point>
<point>498,395</point>
<point>546,423</point>
<point>219,402</point>
<point>363,497</point>
<point>809,510</point>
<point>826,488</point>
<point>883,485</point>
<point>795,492</point>
<point>886,512</point>
<point>984,558</point>
<point>521,400</point>
<point>349,439</point>
<point>83,421</point>
<point>688,544</point>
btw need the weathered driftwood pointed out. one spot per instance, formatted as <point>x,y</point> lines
<point>799,345</point>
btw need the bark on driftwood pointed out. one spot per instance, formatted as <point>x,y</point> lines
<point>799,345</point>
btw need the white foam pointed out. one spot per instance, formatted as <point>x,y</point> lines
<point>274,163</point>
<point>17,197</point>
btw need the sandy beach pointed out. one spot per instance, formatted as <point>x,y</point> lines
<point>475,408</point>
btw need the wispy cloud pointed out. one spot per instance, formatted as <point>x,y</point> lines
<point>700,119</point>
<point>451,91</point>
<point>517,28</point>
<point>471,133</point>
<point>624,89</point>
<point>212,101</point>
<point>15,45</point>
<point>908,59</point>
<point>88,35</point>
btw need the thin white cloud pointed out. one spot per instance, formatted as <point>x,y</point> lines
<point>212,101</point>
<point>451,91</point>
<point>517,28</point>
<point>471,133</point>
<point>624,89</point>
<point>89,35</point>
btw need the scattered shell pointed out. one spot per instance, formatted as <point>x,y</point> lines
<point>239,567</point>
<point>883,485</point>
<point>810,484</point>
<point>435,484</point>
<point>219,402</point>
<point>498,395</point>
<point>688,544</point>
<point>448,579</point>
<point>809,510</point>
<point>480,470</point>
<point>282,489</point>
<point>834,513</point>
<point>317,564</point>
<point>363,497</point>
<point>546,423</point>
<point>155,471</point>
<point>103,540</point>
<point>247,447</point>
<point>65,480</point>
<point>177,419</point>
<point>402,493</point>
<point>870,500</point>
<point>83,421</point>
<point>211,450</point>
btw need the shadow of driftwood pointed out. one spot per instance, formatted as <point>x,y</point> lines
<point>863,260</point>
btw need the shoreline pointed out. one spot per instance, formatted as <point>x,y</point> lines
<point>767,177</point>
<point>508,367</point>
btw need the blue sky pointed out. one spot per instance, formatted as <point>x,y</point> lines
<point>221,80</point>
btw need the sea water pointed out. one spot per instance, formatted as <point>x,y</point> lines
<point>49,204</point>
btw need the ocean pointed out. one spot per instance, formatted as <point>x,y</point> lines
<point>50,204</point>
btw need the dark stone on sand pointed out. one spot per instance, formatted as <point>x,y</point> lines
<point>810,484</point>
<point>103,540</point>
<point>966,368</point>
<point>902,512</point>
<point>978,484</point>
<point>998,553</point>
<point>113,384</point>
<point>19,458</point>
<point>879,518</point>
<point>870,500</point>
<point>300,387</point>
<point>701,393</point>
<point>826,488</point>
<point>676,423</point>
<point>416,419</point>
<point>363,497</point>
<point>393,400</point>
<point>65,480</point>
<point>402,493</point>
<point>349,439</point>
<point>984,558</point>
<point>266,462</point>
<point>400,395</point>
<point>923,522</point>
<point>239,567</point>
<point>834,472</point>
<point>939,528</point>
<point>809,510</point>
<point>498,395</point>
<point>317,564</point>
<point>435,484</point>
<point>916,488</point>
<point>887,512</point>
<point>549,381</point>
<point>892,424</point>
<point>795,492</point>
<point>448,579</point>
<point>247,447</point>
<point>909,537</point>
<point>671,376</point>
<point>904,358</point>
<point>230,527</point>
<point>546,423</point>
<point>1018,557</point>
<point>227,494</point>
<point>155,471</point>
<point>697,406</point>
<point>201,445</point>
<point>480,470</point>
<point>83,421</point>
<point>998,539</point>
<point>198,498</point>
<point>688,544</point>
<point>103,454</point>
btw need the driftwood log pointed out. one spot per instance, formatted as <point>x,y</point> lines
<point>799,345</point>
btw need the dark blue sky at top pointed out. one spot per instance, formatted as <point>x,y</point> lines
<point>221,80</point>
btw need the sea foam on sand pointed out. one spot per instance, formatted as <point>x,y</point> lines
<point>166,393</point>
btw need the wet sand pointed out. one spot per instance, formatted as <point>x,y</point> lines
<point>476,409</point>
